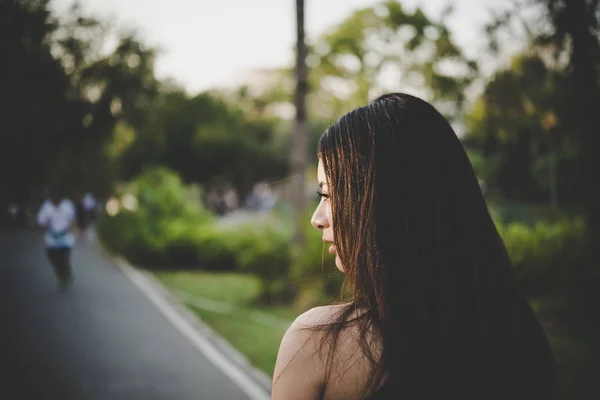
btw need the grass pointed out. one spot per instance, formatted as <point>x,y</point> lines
<point>255,340</point>
<point>259,343</point>
<point>232,288</point>
<point>576,357</point>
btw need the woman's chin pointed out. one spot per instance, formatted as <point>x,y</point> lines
<point>338,263</point>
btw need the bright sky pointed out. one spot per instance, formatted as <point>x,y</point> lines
<point>208,43</point>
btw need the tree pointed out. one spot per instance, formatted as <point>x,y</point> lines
<point>33,108</point>
<point>578,22</point>
<point>63,94</point>
<point>300,134</point>
<point>385,46</point>
<point>572,27</point>
<point>206,140</point>
<point>522,123</point>
<point>108,88</point>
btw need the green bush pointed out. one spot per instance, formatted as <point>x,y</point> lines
<point>317,279</point>
<point>161,195</point>
<point>265,251</point>
<point>168,227</point>
<point>543,256</point>
<point>188,245</point>
<point>156,220</point>
<point>131,235</point>
<point>181,241</point>
<point>112,232</point>
<point>215,250</point>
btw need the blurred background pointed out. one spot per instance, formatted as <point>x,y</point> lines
<point>194,124</point>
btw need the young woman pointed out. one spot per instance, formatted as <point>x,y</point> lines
<point>435,312</point>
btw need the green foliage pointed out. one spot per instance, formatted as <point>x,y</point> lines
<point>162,195</point>
<point>163,227</point>
<point>544,255</point>
<point>317,279</point>
<point>257,341</point>
<point>208,141</point>
<point>231,287</point>
<point>522,121</point>
<point>485,168</point>
<point>527,213</point>
<point>119,232</point>
<point>309,264</point>
<point>265,252</point>
<point>170,229</point>
<point>550,263</point>
<point>198,246</point>
<point>350,58</point>
<point>31,110</point>
<point>62,95</point>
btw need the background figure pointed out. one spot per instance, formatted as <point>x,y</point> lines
<point>268,198</point>
<point>89,206</point>
<point>231,200</point>
<point>81,217</point>
<point>58,216</point>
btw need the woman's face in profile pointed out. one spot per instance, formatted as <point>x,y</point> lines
<point>322,217</point>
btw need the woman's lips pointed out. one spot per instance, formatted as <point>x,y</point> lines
<point>332,247</point>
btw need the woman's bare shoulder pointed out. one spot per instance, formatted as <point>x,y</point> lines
<point>318,316</point>
<point>308,329</point>
<point>300,366</point>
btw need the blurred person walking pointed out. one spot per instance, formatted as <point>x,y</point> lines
<point>89,206</point>
<point>80,216</point>
<point>58,216</point>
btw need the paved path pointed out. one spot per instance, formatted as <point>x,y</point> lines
<point>102,339</point>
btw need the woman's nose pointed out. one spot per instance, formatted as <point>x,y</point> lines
<point>319,219</point>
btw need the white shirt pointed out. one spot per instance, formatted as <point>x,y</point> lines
<point>89,202</point>
<point>58,219</point>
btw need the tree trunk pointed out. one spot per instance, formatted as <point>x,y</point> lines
<point>299,137</point>
<point>587,99</point>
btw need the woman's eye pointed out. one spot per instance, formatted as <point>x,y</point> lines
<point>322,195</point>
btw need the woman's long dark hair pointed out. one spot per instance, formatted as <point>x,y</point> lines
<point>429,272</point>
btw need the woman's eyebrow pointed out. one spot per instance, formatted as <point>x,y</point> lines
<point>323,183</point>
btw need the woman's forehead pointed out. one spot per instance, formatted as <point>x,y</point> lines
<point>321,176</point>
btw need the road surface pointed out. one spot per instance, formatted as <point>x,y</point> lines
<point>102,339</point>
